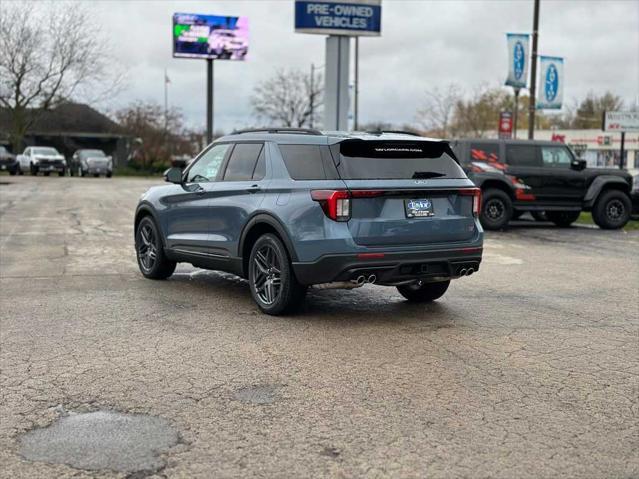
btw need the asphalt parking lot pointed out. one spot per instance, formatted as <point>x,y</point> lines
<point>529,368</point>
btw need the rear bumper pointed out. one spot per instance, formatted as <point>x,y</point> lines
<point>392,268</point>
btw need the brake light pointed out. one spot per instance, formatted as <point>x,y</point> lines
<point>476,194</point>
<point>335,203</point>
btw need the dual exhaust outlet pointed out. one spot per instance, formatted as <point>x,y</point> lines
<point>466,272</point>
<point>358,282</point>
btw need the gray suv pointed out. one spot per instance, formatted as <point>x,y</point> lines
<point>292,208</point>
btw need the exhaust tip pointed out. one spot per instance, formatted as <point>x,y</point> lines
<point>462,272</point>
<point>470,271</point>
<point>372,278</point>
<point>361,279</point>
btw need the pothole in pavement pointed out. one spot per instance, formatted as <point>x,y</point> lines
<point>102,440</point>
<point>260,394</point>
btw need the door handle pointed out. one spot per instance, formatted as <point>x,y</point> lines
<point>253,188</point>
<point>200,192</point>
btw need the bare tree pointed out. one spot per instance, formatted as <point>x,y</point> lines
<point>48,53</point>
<point>289,99</point>
<point>436,114</point>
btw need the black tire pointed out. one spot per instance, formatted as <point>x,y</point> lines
<point>96,175</point>
<point>20,172</point>
<point>149,250</point>
<point>109,175</point>
<point>34,171</point>
<point>612,210</point>
<point>62,173</point>
<point>273,284</point>
<point>13,172</point>
<point>563,218</point>
<point>423,292</point>
<point>47,173</point>
<point>81,172</point>
<point>496,209</point>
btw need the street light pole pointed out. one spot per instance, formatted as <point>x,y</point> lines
<point>533,73</point>
<point>209,100</point>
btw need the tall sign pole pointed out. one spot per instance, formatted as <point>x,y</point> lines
<point>516,109</point>
<point>533,73</point>
<point>209,100</point>
<point>356,102</point>
<point>339,20</point>
<point>210,37</point>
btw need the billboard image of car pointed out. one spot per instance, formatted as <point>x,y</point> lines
<point>210,36</point>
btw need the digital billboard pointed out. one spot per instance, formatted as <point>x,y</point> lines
<point>210,36</point>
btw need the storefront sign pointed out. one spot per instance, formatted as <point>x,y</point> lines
<point>621,121</point>
<point>505,125</point>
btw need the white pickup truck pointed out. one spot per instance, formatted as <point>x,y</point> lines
<point>42,159</point>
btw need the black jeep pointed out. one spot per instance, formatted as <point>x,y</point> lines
<point>544,178</point>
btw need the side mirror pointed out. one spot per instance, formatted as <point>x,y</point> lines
<point>578,164</point>
<point>173,175</point>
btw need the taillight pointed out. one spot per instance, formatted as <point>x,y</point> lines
<point>335,203</point>
<point>476,194</point>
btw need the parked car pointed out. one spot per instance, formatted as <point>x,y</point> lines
<point>91,162</point>
<point>8,161</point>
<point>42,159</point>
<point>544,178</point>
<point>290,208</point>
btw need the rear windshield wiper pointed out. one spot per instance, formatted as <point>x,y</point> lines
<point>426,174</point>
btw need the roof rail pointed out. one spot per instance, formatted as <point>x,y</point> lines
<point>298,131</point>
<point>397,132</point>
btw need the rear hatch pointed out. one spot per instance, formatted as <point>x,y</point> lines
<point>405,192</point>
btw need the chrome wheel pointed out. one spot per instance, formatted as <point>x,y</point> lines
<point>147,249</point>
<point>267,274</point>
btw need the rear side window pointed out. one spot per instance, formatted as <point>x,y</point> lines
<point>556,156</point>
<point>485,152</point>
<point>522,155</point>
<point>384,160</point>
<point>304,162</point>
<point>243,161</point>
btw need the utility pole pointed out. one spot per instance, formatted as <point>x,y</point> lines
<point>516,111</point>
<point>356,99</point>
<point>622,150</point>
<point>533,73</point>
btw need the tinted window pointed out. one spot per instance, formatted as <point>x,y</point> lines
<point>303,162</point>
<point>91,153</point>
<point>367,160</point>
<point>522,155</point>
<point>486,152</point>
<point>207,166</point>
<point>260,166</point>
<point>555,156</point>
<point>242,162</point>
<point>45,151</point>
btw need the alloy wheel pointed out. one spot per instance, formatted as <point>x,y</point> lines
<point>615,210</point>
<point>495,209</point>
<point>147,249</point>
<point>267,274</point>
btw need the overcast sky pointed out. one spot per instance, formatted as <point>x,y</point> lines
<point>424,44</point>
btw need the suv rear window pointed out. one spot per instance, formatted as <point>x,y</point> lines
<point>304,162</point>
<point>396,160</point>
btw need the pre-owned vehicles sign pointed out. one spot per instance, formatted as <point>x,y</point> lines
<point>346,17</point>
<point>621,121</point>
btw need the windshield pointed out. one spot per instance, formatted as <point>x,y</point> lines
<point>45,151</point>
<point>396,160</point>
<point>88,153</point>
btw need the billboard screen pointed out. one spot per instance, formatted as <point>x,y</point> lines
<point>210,36</point>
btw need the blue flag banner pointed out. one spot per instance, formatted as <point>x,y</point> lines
<point>551,83</point>
<point>517,59</point>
